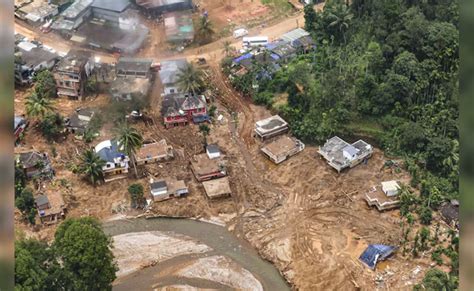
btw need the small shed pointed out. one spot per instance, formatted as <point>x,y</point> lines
<point>213,151</point>
<point>390,188</point>
<point>159,190</point>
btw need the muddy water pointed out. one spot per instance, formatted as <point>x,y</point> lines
<point>217,237</point>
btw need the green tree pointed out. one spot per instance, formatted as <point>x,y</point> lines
<point>45,84</point>
<point>424,238</point>
<point>26,204</point>
<point>91,166</point>
<point>37,106</point>
<point>425,215</point>
<point>136,194</point>
<point>31,272</point>
<point>227,48</point>
<point>204,129</point>
<point>436,279</point>
<point>341,19</point>
<point>204,31</point>
<point>310,18</point>
<point>190,79</point>
<point>52,126</point>
<point>129,140</point>
<point>84,252</point>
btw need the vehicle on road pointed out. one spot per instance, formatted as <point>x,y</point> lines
<point>240,32</point>
<point>254,41</point>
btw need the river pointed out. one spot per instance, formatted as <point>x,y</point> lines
<point>217,237</point>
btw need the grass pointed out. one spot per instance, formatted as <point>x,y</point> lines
<point>279,5</point>
<point>366,126</point>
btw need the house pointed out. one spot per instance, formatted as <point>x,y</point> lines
<point>133,67</point>
<point>282,148</point>
<point>450,213</point>
<point>116,166</point>
<point>168,74</point>
<point>36,57</point>
<point>72,72</point>
<point>284,52</point>
<point>204,168</point>
<point>270,127</point>
<point>78,122</point>
<point>51,207</point>
<point>385,196</point>
<point>73,16</point>
<point>109,10</point>
<point>340,154</point>
<point>181,109</point>
<point>37,12</point>
<point>168,188</point>
<point>20,125</point>
<point>158,7</point>
<point>292,36</point>
<point>217,188</point>
<point>35,164</point>
<point>179,28</point>
<point>130,88</point>
<point>213,151</point>
<point>154,152</point>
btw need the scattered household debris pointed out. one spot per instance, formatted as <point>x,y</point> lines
<point>375,253</point>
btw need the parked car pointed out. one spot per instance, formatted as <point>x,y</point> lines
<point>240,32</point>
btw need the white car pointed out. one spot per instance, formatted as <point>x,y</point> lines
<point>240,32</point>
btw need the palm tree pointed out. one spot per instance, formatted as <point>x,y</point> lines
<point>37,106</point>
<point>190,79</point>
<point>228,48</point>
<point>341,19</point>
<point>91,165</point>
<point>129,140</point>
<point>204,30</point>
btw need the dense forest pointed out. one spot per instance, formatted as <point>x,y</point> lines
<point>387,71</point>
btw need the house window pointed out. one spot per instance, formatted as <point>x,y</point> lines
<point>68,84</point>
<point>171,90</point>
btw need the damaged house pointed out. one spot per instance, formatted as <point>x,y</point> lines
<point>31,59</point>
<point>78,122</point>
<point>51,207</point>
<point>282,148</point>
<point>385,196</point>
<point>340,155</point>
<point>154,152</point>
<point>181,109</point>
<point>205,169</point>
<point>35,164</point>
<point>270,127</point>
<point>133,81</point>
<point>168,188</point>
<point>179,28</point>
<point>72,72</point>
<point>169,73</point>
<point>217,188</point>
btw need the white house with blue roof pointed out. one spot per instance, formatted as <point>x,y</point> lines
<point>117,162</point>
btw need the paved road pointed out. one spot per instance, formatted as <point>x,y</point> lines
<point>210,51</point>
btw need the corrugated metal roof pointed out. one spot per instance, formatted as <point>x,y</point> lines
<point>112,5</point>
<point>294,35</point>
<point>76,8</point>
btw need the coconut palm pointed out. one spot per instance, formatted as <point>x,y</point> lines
<point>129,140</point>
<point>228,48</point>
<point>37,106</point>
<point>204,30</point>
<point>91,166</point>
<point>341,19</point>
<point>190,79</point>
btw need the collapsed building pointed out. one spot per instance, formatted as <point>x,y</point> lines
<point>78,122</point>
<point>35,12</point>
<point>32,58</point>
<point>133,79</point>
<point>179,28</point>
<point>35,164</point>
<point>282,148</point>
<point>217,188</point>
<point>154,152</point>
<point>384,196</point>
<point>340,155</point>
<point>205,169</point>
<point>270,127</point>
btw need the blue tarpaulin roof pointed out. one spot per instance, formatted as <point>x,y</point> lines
<point>200,118</point>
<point>375,253</point>
<point>243,57</point>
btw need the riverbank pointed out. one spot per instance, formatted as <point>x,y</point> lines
<point>186,252</point>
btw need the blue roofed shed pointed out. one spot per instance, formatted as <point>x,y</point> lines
<point>375,253</point>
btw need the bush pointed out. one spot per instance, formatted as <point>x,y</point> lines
<point>52,126</point>
<point>263,98</point>
<point>136,195</point>
<point>425,215</point>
